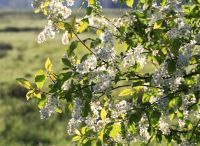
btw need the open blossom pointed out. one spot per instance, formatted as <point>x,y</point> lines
<point>65,38</point>
<point>134,56</point>
<point>87,65</point>
<point>106,54</point>
<point>104,80</point>
<point>121,108</point>
<point>66,85</point>
<point>58,11</point>
<point>70,2</point>
<point>48,32</point>
<point>164,127</point>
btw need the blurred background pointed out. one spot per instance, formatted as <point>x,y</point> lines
<point>21,56</point>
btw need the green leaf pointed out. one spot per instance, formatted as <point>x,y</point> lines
<point>76,138</point>
<point>89,10</point>
<point>73,21</point>
<point>66,62</point>
<point>40,79</point>
<point>42,103</point>
<point>24,83</point>
<point>48,64</point>
<point>154,117</point>
<point>83,25</point>
<point>77,132</point>
<point>58,110</point>
<point>60,25</point>
<point>157,25</point>
<point>83,130</point>
<point>175,102</point>
<point>103,114</point>
<point>171,66</point>
<point>101,135</point>
<point>179,114</point>
<point>72,47</point>
<point>116,128</point>
<point>30,94</point>
<point>145,98</point>
<point>126,92</point>
<point>91,2</point>
<point>129,3</point>
<point>132,129</point>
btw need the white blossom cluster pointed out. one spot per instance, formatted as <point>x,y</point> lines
<point>56,11</point>
<point>87,65</point>
<point>135,55</point>
<point>77,118</point>
<point>94,121</point>
<point>121,109</point>
<point>164,127</point>
<point>107,52</point>
<point>65,38</point>
<point>49,108</point>
<point>48,32</point>
<point>185,55</point>
<point>104,80</point>
<point>182,30</point>
<point>143,128</point>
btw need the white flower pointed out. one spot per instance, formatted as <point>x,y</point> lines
<point>87,65</point>
<point>106,54</point>
<point>134,56</point>
<point>70,2</point>
<point>164,127</point>
<point>48,32</point>
<point>144,133</point>
<point>104,79</point>
<point>121,108</point>
<point>65,38</point>
<point>66,85</point>
<point>181,123</point>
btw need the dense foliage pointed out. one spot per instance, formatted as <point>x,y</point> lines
<point>152,106</point>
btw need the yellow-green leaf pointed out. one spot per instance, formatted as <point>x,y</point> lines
<point>29,94</point>
<point>76,138</point>
<point>83,130</point>
<point>157,25</point>
<point>126,92</point>
<point>99,32</point>
<point>116,129</point>
<point>129,3</point>
<point>91,2</point>
<point>38,94</point>
<point>73,21</point>
<point>101,134</point>
<point>77,132</point>
<point>83,25</point>
<point>24,83</point>
<point>103,114</point>
<point>60,25</point>
<point>48,64</point>
<point>58,110</point>
<point>40,78</point>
